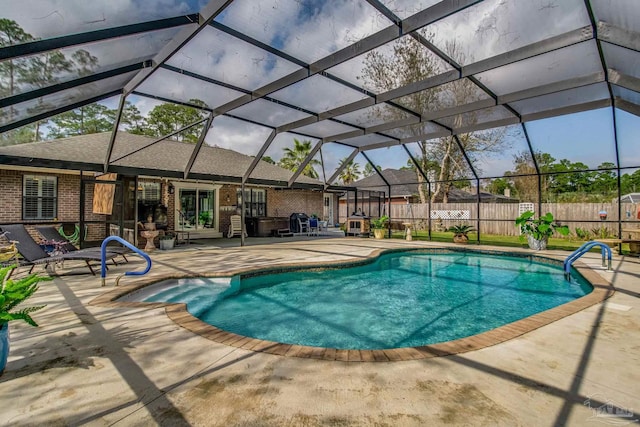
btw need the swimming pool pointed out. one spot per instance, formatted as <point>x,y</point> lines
<point>398,300</point>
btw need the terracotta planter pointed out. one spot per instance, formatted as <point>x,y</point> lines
<point>379,233</point>
<point>460,238</point>
<point>4,345</point>
<point>537,245</point>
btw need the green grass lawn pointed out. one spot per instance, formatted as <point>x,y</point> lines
<point>566,244</point>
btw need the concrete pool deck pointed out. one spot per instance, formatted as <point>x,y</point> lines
<point>104,365</point>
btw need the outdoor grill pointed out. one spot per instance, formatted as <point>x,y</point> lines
<point>298,223</point>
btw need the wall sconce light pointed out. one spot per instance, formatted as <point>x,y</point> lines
<point>228,199</point>
<point>172,189</point>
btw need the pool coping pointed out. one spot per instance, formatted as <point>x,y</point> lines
<point>177,312</point>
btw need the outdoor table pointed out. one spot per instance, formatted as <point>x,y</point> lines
<point>632,233</point>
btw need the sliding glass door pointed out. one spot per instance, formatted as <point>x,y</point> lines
<point>196,207</point>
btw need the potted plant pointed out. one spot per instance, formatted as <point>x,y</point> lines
<point>167,242</point>
<point>12,293</point>
<point>379,225</point>
<point>539,230</point>
<point>204,217</point>
<point>461,232</point>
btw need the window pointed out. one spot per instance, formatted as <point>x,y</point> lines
<point>39,197</point>
<point>149,192</point>
<point>149,198</point>
<point>255,202</point>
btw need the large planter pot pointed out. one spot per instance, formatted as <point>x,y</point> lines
<point>166,244</point>
<point>460,238</point>
<point>379,233</point>
<point>537,245</point>
<point>4,346</point>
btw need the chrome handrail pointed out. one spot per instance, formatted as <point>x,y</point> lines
<point>103,260</point>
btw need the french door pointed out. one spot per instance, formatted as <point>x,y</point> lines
<point>196,207</point>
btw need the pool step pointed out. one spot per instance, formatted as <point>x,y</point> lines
<point>197,293</point>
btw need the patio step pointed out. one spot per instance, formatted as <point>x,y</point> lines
<point>284,232</point>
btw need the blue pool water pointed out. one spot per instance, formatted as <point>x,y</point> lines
<point>400,300</point>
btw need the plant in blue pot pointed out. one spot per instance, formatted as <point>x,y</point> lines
<point>12,294</point>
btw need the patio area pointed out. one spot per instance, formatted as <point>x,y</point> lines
<point>91,364</point>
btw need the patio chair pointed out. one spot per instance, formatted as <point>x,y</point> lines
<point>314,227</point>
<point>33,254</point>
<point>51,234</point>
<point>235,228</point>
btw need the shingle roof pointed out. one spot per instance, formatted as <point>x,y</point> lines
<point>403,183</point>
<point>166,155</point>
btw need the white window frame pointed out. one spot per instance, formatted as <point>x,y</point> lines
<point>39,215</point>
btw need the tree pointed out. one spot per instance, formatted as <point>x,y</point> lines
<point>11,33</point>
<point>43,71</point>
<point>368,170</point>
<point>92,118</point>
<point>268,159</point>
<point>10,70</point>
<point>293,158</point>
<point>499,185</point>
<point>350,172</point>
<point>166,118</point>
<point>35,71</point>
<point>85,62</point>
<point>21,135</point>
<point>630,182</point>
<point>132,119</point>
<point>409,62</point>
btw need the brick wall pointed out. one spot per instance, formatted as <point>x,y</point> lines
<point>10,196</point>
<point>282,203</point>
<point>68,202</point>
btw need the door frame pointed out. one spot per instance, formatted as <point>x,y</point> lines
<point>186,185</point>
<point>330,215</point>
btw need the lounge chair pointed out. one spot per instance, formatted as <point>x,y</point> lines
<point>235,228</point>
<point>33,254</point>
<point>51,234</point>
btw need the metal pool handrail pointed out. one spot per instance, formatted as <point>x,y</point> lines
<point>103,261</point>
<point>604,250</point>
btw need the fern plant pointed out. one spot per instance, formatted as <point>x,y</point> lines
<point>14,292</point>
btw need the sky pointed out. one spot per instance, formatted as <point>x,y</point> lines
<point>313,29</point>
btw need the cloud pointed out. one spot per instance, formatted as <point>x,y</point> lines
<point>51,18</point>
<point>237,135</point>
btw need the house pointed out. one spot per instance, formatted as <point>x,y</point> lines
<point>404,189</point>
<point>59,182</point>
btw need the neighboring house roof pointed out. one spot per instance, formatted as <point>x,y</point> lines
<point>403,183</point>
<point>630,198</point>
<point>165,158</point>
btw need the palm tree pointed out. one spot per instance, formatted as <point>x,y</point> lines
<point>293,158</point>
<point>350,173</point>
<point>368,170</point>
